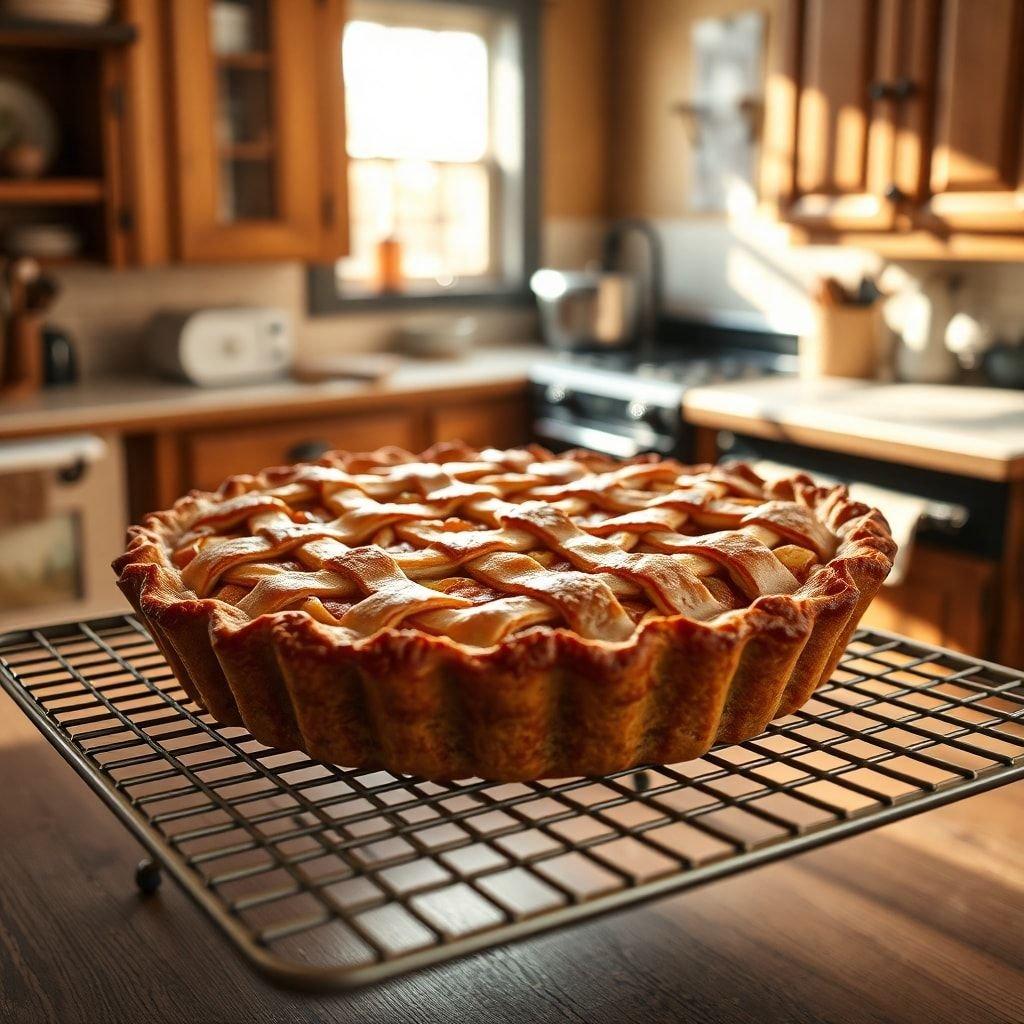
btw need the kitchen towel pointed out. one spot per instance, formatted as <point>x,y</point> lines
<point>902,511</point>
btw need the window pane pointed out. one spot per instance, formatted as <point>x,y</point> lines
<point>466,212</point>
<point>440,213</point>
<point>415,93</point>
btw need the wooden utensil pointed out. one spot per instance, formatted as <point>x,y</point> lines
<point>21,353</point>
<point>19,274</point>
<point>41,294</point>
<point>828,291</point>
<point>24,371</point>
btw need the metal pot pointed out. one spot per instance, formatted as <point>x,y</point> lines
<point>583,309</point>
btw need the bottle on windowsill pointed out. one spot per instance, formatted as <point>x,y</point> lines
<point>389,265</point>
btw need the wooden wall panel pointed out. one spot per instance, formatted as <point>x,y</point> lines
<point>577,107</point>
<point>651,153</point>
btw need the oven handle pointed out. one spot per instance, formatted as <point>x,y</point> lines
<point>69,453</point>
<point>603,441</point>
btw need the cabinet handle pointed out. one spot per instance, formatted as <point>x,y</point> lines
<point>308,451</point>
<point>899,89</point>
<point>904,88</point>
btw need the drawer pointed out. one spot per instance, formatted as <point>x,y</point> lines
<point>500,423</point>
<point>212,456</point>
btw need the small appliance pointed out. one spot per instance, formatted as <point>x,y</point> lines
<point>217,347</point>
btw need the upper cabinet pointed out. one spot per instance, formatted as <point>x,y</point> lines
<point>258,119</point>
<point>901,120</point>
<point>180,130</point>
<point>841,138</point>
<point>977,176</point>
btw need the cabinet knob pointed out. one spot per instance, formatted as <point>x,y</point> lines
<point>894,193</point>
<point>903,88</point>
<point>308,451</point>
<point>898,89</point>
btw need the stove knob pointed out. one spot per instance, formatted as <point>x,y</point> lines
<point>557,394</point>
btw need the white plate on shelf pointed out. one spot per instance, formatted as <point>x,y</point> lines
<point>25,116</point>
<point>43,241</point>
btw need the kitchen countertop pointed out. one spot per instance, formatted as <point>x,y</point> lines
<point>970,430</point>
<point>133,403</point>
<point>917,922</point>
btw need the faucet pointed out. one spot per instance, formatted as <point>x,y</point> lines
<point>611,258</point>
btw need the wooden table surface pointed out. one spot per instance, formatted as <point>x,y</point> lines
<point>920,921</point>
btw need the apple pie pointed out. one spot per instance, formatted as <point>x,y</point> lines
<point>506,615</point>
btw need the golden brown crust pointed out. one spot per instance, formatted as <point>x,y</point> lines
<point>542,703</point>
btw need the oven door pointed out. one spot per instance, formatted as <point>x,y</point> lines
<point>615,426</point>
<point>562,434</point>
<point>62,520</point>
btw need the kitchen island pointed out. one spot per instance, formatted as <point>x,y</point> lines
<point>919,921</point>
<point>972,436</point>
<point>975,432</point>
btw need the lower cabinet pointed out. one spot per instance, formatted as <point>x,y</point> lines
<point>947,599</point>
<point>211,456</point>
<point>166,464</point>
<point>501,423</point>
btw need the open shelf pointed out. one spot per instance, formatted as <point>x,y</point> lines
<point>51,191</point>
<point>62,35</point>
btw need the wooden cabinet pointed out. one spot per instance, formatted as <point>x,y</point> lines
<point>189,130</point>
<point>258,148</point>
<point>64,92</point>
<point>947,599</point>
<point>841,135</point>
<point>501,423</point>
<point>902,120</point>
<point>977,174</point>
<point>212,456</point>
<point>166,460</point>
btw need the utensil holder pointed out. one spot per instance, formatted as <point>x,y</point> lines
<point>844,342</point>
<point>23,372</point>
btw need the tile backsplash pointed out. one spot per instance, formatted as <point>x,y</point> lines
<point>107,311</point>
<point>745,270</point>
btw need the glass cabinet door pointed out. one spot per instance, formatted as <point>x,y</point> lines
<point>240,41</point>
<point>257,130</point>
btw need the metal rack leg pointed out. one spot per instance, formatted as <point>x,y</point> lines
<point>148,877</point>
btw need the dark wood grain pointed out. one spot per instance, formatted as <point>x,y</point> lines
<point>919,922</point>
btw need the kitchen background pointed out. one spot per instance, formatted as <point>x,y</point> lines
<point>611,147</point>
<point>793,157</point>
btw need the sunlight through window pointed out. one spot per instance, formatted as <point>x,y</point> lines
<point>423,177</point>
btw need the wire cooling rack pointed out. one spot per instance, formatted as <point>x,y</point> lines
<point>327,877</point>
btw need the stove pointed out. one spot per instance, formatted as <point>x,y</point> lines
<point>622,405</point>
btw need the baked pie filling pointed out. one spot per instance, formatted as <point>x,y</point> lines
<point>507,614</point>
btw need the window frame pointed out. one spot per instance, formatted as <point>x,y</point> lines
<point>324,295</point>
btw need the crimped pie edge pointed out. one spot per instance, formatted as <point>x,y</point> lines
<point>542,703</point>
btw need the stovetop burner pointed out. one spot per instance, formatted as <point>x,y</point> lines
<point>689,369</point>
<point>624,404</point>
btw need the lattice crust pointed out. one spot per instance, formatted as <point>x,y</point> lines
<point>471,559</point>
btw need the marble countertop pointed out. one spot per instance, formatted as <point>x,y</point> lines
<point>135,403</point>
<point>972,430</point>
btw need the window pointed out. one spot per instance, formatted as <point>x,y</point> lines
<point>441,195</point>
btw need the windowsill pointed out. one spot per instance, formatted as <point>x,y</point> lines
<point>326,299</point>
